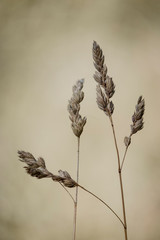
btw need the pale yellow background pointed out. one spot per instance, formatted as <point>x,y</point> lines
<point>45,46</point>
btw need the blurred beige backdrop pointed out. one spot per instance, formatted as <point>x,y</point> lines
<point>45,46</point>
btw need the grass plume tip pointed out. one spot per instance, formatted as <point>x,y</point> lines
<point>105,88</point>
<point>137,117</point>
<point>74,107</point>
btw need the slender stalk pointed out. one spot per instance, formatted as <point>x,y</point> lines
<point>120,179</point>
<point>103,203</point>
<point>76,197</point>
<point>124,157</point>
<point>67,192</point>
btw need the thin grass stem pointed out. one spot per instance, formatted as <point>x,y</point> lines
<point>103,203</point>
<point>120,179</point>
<point>124,157</point>
<point>67,191</point>
<point>76,197</point>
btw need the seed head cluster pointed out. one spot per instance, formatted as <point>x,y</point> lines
<point>37,168</point>
<point>137,117</point>
<point>105,88</point>
<point>74,107</point>
<point>137,120</point>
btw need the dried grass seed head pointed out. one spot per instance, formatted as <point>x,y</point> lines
<point>104,81</point>
<point>102,101</point>
<point>109,87</point>
<point>78,124</point>
<point>137,117</point>
<point>110,107</point>
<point>98,57</point>
<point>74,107</point>
<point>37,168</point>
<point>66,179</point>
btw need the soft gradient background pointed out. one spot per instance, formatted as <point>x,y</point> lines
<point>45,46</point>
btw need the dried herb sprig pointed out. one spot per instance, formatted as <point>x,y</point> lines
<point>105,88</point>
<point>137,120</point>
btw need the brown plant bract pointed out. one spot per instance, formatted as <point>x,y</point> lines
<point>74,107</point>
<point>105,88</point>
<point>127,141</point>
<point>37,168</point>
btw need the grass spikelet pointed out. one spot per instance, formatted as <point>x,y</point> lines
<point>74,107</point>
<point>105,88</point>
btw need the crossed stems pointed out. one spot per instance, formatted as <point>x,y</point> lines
<point>121,186</point>
<point>120,166</point>
<point>94,195</point>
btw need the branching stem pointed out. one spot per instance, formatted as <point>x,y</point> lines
<point>103,203</point>
<point>124,157</point>
<point>95,197</point>
<point>67,192</point>
<point>120,179</point>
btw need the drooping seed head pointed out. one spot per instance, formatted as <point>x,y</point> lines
<point>37,168</point>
